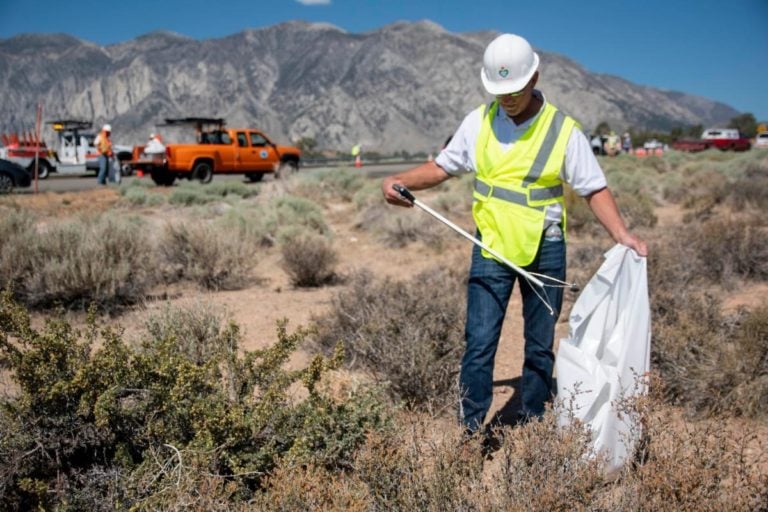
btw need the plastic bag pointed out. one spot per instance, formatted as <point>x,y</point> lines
<point>607,354</point>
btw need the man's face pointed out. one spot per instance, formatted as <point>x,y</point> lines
<point>515,103</point>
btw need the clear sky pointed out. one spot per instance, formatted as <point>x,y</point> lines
<point>712,48</point>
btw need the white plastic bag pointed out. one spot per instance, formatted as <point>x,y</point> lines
<point>606,353</point>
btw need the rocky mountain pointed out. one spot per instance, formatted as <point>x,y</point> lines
<point>404,86</point>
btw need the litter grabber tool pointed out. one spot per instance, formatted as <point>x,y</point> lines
<point>532,277</point>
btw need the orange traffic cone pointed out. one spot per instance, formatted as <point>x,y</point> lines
<point>358,161</point>
<point>139,173</point>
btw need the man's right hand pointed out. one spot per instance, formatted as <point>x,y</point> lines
<point>391,195</point>
<point>424,176</point>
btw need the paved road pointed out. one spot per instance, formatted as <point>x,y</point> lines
<point>72,183</point>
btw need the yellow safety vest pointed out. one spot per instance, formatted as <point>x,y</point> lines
<point>513,188</point>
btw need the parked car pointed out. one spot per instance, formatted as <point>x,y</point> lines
<point>13,176</point>
<point>761,140</point>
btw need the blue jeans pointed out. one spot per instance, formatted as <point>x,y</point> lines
<point>490,286</point>
<point>104,164</point>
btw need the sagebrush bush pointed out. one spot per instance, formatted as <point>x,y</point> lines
<point>636,210</point>
<point>328,185</point>
<point>309,259</point>
<point>219,255</point>
<point>750,190</point>
<point>398,227</point>
<point>194,193</point>
<point>153,426</point>
<point>138,196</point>
<point>580,218</point>
<point>288,213</point>
<point>194,326</point>
<point>408,334</point>
<point>106,260</point>
<point>711,362</point>
<point>688,466</point>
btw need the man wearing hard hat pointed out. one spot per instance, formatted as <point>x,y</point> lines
<point>103,144</point>
<point>522,150</point>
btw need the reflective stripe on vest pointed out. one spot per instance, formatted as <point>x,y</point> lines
<point>538,194</point>
<point>513,188</point>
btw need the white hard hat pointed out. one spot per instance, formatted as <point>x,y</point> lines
<point>107,128</point>
<point>509,63</point>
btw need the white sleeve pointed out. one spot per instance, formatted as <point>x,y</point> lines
<point>458,157</point>
<point>582,170</point>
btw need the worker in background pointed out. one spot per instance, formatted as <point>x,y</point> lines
<point>522,150</point>
<point>612,144</point>
<point>626,143</point>
<point>103,143</point>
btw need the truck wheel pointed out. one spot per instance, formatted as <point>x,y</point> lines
<point>255,176</point>
<point>163,178</point>
<point>6,184</point>
<point>286,169</point>
<point>43,169</point>
<point>125,169</point>
<point>202,172</point>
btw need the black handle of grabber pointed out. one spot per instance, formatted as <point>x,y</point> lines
<point>403,192</point>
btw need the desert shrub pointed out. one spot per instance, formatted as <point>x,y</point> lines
<point>688,466</point>
<point>252,221</point>
<point>408,334</point>
<point>398,227</point>
<point>328,185</point>
<point>193,193</point>
<point>188,195</point>
<point>229,188</point>
<point>216,256</point>
<point>150,427</point>
<point>539,466</point>
<point>636,210</point>
<point>750,190</point>
<point>104,260</point>
<point>715,251</point>
<point>725,248</point>
<point>288,213</point>
<point>309,259</point>
<point>539,454</point>
<point>580,218</point>
<point>368,195</point>
<point>138,196</point>
<point>455,195</point>
<point>409,468</point>
<point>195,326</point>
<point>710,362</point>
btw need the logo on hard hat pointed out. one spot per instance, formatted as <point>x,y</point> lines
<point>503,72</point>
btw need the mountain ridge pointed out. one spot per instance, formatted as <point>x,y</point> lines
<point>404,86</point>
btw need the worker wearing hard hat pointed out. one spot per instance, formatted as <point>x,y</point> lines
<point>103,144</point>
<point>522,150</point>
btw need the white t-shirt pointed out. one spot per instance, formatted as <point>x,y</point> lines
<point>581,170</point>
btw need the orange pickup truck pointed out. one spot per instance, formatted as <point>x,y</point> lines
<point>218,151</point>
